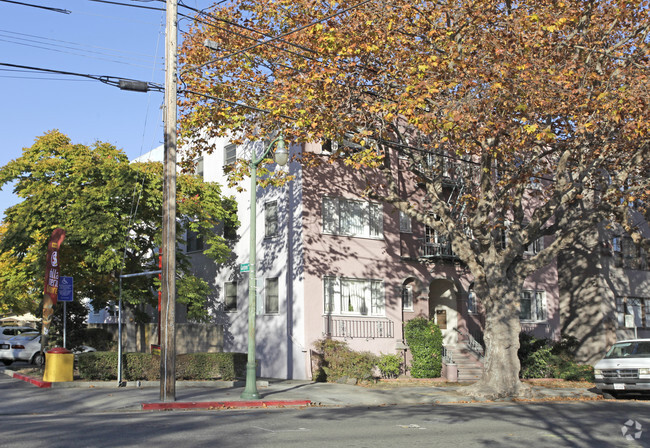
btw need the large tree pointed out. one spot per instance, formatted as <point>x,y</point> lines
<point>111,211</point>
<point>537,110</point>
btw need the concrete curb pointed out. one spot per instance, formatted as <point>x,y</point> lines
<point>223,404</point>
<point>34,381</point>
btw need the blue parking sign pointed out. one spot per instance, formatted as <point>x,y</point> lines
<point>65,289</point>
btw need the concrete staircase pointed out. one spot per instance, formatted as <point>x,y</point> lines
<point>468,362</point>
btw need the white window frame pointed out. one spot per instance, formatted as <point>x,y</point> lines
<point>472,303</point>
<point>271,224</point>
<point>229,154</point>
<point>269,294</point>
<point>354,297</point>
<point>351,217</point>
<point>536,246</point>
<point>538,306</point>
<point>405,225</point>
<point>199,167</point>
<point>407,297</point>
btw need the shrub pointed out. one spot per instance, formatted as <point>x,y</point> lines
<point>338,362</point>
<point>424,339</point>
<point>389,365</point>
<point>541,358</point>
<point>102,366</point>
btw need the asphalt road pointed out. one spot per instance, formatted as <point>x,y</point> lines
<point>33,417</point>
<point>558,424</point>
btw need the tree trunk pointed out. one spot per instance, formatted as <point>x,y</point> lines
<point>501,372</point>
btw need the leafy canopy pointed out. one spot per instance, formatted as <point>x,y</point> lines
<point>111,211</point>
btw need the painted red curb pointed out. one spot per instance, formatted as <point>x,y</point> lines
<point>34,381</point>
<point>222,404</point>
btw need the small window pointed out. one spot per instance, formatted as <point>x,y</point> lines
<point>404,223</point>
<point>194,241</point>
<point>271,296</point>
<point>532,306</point>
<point>198,167</point>
<point>230,155</point>
<point>271,219</point>
<point>407,297</point>
<point>536,246</point>
<point>471,302</point>
<point>230,297</point>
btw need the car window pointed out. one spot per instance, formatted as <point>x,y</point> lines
<point>633,349</point>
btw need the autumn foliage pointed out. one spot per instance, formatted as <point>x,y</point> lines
<point>542,104</point>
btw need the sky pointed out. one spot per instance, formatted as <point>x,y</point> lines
<point>95,38</point>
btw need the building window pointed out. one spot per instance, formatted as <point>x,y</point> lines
<point>628,255</point>
<point>638,308</point>
<point>533,306</point>
<point>353,296</point>
<point>198,167</point>
<point>407,297</point>
<point>536,246</point>
<point>271,218</point>
<point>230,155</point>
<point>230,297</point>
<point>404,223</point>
<point>194,241</point>
<point>472,306</point>
<point>271,296</point>
<point>352,218</point>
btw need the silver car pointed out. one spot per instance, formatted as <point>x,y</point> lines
<point>26,347</point>
<point>625,368</point>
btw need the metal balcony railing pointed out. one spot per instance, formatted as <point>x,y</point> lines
<point>437,250</point>
<point>358,328</point>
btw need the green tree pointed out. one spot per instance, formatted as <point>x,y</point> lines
<point>111,212</point>
<point>528,118</point>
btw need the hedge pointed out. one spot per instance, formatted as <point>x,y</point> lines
<point>424,339</point>
<point>102,366</point>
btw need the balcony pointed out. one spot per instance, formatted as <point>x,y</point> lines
<point>341,327</point>
<point>437,250</point>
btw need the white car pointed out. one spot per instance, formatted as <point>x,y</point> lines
<point>625,368</point>
<point>9,331</point>
<point>26,347</point>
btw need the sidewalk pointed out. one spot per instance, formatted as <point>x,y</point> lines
<point>107,396</point>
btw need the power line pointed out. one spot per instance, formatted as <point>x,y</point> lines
<point>279,37</point>
<point>49,41</point>
<point>48,8</point>
<point>122,83</point>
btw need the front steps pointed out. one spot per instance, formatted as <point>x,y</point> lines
<point>468,362</point>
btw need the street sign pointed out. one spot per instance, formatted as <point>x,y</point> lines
<point>244,267</point>
<point>65,289</point>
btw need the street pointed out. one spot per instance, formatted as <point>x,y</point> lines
<point>33,417</point>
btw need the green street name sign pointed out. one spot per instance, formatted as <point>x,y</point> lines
<point>244,267</point>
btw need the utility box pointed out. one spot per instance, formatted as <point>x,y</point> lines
<point>59,365</point>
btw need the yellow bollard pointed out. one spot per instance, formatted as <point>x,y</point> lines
<point>59,365</point>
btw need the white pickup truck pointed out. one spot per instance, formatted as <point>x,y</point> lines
<point>625,368</point>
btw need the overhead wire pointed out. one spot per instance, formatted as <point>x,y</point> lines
<point>48,8</point>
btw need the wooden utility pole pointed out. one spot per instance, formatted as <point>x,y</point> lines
<point>168,305</point>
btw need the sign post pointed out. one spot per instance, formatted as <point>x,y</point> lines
<point>66,290</point>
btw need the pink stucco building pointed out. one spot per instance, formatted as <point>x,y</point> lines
<point>332,263</point>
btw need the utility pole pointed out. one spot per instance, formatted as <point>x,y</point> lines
<point>168,305</point>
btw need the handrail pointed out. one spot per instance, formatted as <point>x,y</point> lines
<point>447,357</point>
<point>472,343</point>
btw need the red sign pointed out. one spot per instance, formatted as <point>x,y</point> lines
<point>52,264</point>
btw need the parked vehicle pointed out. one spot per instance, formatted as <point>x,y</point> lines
<point>9,331</point>
<point>26,347</point>
<point>625,368</point>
